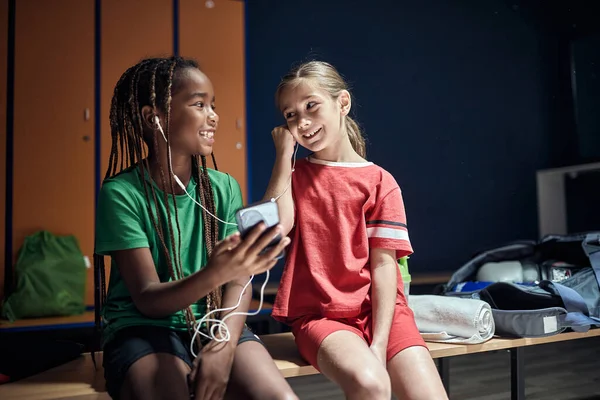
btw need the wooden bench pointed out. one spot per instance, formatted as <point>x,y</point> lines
<point>79,380</point>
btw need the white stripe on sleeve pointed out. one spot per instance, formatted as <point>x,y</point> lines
<point>387,233</point>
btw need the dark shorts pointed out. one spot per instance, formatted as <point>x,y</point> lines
<point>131,344</point>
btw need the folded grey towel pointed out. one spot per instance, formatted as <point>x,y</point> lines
<point>452,320</point>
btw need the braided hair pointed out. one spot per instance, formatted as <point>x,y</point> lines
<point>152,82</point>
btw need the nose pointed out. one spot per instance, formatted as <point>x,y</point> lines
<point>212,116</point>
<point>303,124</point>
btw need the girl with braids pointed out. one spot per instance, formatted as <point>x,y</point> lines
<point>340,290</point>
<point>172,262</point>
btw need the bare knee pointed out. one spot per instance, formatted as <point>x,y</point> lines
<point>156,376</point>
<point>369,384</point>
<point>287,394</point>
<point>172,377</point>
<point>234,392</point>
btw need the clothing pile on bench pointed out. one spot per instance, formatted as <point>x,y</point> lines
<point>533,289</point>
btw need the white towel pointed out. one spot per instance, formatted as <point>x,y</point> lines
<point>452,320</point>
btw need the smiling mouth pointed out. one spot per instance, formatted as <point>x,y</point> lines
<point>311,134</point>
<point>207,134</point>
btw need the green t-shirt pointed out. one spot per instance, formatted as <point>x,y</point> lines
<point>123,222</point>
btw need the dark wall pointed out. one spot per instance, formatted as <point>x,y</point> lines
<point>461,101</point>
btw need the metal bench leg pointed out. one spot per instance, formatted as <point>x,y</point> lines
<point>444,370</point>
<point>517,374</point>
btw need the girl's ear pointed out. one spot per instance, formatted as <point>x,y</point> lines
<point>345,102</point>
<point>148,115</point>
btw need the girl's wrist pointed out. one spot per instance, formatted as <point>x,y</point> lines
<point>215,275</point>
<point>283,160</point>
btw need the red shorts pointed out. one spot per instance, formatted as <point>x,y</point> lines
<point>310,331</point>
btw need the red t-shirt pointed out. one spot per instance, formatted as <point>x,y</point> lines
<point>341,211</point>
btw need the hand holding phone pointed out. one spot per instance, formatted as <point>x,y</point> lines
<point>249,217</point>
<point>236,257</point>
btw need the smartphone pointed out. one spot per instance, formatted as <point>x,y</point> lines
<point>250,216</point>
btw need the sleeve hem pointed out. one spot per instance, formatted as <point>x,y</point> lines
<point>105,248</point>
<point>403,248</point>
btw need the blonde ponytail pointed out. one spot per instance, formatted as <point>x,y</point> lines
<point>356,138</point>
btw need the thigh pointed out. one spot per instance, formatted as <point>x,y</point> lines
<point>310,332</point>
<point>412,371</point>
<point>345,358</point>
<point>156,376</point>
<point>254,374</point>
<point>134,356</point>
<point>414,376</point>
<point>403,332</point>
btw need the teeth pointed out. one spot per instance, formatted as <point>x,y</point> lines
<point>207,134</point>
<point>309,135</point>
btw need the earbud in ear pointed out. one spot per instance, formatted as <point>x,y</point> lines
<point>157,122</point>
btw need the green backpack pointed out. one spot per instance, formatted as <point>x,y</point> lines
<point>51,277</point>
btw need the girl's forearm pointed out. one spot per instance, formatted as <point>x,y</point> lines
<point>231,296</point>
<point>161,299</point>
<point>384,301</point>
<point>280,185</point>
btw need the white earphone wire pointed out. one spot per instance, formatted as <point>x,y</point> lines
<point>223,330</point>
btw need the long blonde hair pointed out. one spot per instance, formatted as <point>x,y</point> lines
<point>329,79</point>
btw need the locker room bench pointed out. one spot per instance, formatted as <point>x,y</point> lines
<point>79,380</point>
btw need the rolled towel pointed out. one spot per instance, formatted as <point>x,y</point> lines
<point>452,319</point>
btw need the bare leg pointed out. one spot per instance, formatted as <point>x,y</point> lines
<point>347,360</point>
<point>414,376</point>
<point>156,376</point>
<point>254,375</point>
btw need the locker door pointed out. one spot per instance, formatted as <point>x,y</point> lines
<point>215,38</point>
<point>54,121</point>
<point>3,56</point>
<point>131,30</point>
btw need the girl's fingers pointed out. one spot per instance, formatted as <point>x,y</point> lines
<point>264,241</point>
<point>278,248</point>
<point>229,243</point>
<point>250,238</point>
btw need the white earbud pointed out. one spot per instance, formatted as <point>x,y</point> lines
<point>157,122</point>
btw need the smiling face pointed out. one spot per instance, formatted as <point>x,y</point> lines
<point>313,116</point>
<point>193,120</point>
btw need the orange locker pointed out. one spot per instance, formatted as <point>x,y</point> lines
<point>54,120</point>
<point>131,30</point>
<point>214,36</point>
<point>3,67</point>
<point>54,147</point>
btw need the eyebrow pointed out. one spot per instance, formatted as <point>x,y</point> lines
<point>303,99</point>
<point>198,94</point>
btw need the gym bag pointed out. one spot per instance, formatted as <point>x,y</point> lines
<point>564,293</point>
<point>51,277</point>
